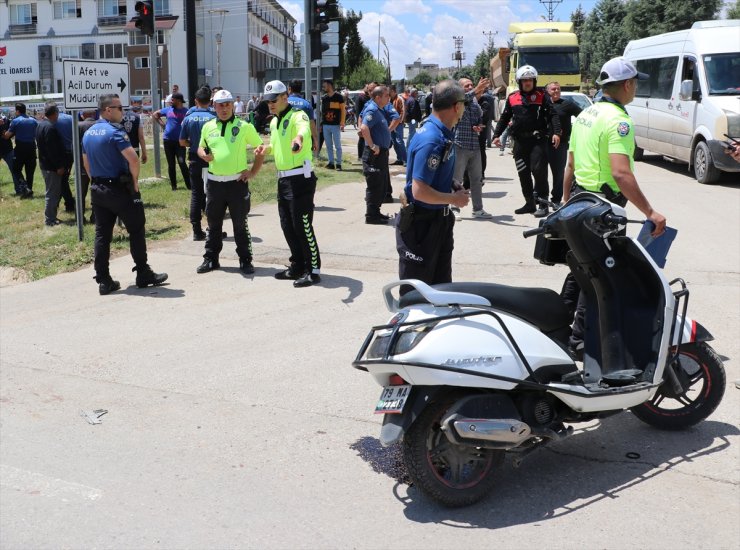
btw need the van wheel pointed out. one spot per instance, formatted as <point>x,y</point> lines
<point>639,153</point>
<point>704,168</point>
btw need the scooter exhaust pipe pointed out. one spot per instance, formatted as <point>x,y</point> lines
<point>494,433</point>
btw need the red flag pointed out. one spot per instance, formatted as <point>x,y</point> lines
<point>3,50</point>
<point>265,39</point>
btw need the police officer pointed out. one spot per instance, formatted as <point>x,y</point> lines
<point>531,111</point>
<point>600,158</point>
<point>190,133</point>
<point>223,145</point>
<point>114,172</point>
<point>297,101</point>
<point>23,128</point>
<point>377,136</point>
<point>424,226</point>
<point>6,153</point>
<point>135,131</point>
<point>290,143</point>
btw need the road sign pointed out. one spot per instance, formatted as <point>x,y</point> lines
<point>85,81</point>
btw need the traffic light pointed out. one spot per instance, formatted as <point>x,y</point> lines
<point>322,11</point>
<point>144,21</point>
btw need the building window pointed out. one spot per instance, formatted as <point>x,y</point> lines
<point>111,51</point>
<point>23,14</point>
<point>138,39</point>
<point>67,9</point>
<point>142,92</point>
<point>27,87</point>
<point>143,62</point>
<point>161,7</point>
<point>60,89</point>
<point>111,8</point>
<point>67,52</point>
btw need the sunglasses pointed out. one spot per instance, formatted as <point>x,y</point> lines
<point>119,107</point>
<point>272,101</point>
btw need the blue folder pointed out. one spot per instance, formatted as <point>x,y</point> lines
<point>657,247</point>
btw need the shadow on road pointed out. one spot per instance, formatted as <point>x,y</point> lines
<point>727,179</point>
<point>592,465</point>
<point>353,286</point>
<point>162,291</point>
<point>494,194</point>
<point>328,209</point>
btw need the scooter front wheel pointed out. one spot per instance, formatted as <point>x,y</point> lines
<point>453,475</point>
<point>702,377</point>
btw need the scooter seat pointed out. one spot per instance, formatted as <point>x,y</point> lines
<point>541,307</point>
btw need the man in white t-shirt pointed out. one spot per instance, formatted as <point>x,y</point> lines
<point>239,106</point>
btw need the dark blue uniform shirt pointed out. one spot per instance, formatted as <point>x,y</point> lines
<point>390,113</point>
<point>192,126</point>
<point>103,144</point>
<point>24,129</point>
<point>64,127</point>
<point>431,159</point>
<point>376,121</point>
<point>297,102</point>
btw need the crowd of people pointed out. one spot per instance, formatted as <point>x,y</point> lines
<point>443,154</point>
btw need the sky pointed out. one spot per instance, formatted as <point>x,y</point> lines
<point>423,29</point>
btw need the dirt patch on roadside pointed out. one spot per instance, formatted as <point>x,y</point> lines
<point>10,276</point>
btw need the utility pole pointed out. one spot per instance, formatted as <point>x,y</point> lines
<point>551,4</point>
<point>458,55</point>
<point>490,35</point>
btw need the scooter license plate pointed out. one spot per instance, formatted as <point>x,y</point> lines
<point>392,399</point>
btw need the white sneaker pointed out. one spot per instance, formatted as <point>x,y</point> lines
<point>456,212</point>
<point>481,214</point>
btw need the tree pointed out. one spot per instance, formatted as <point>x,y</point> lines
<point>603,35</point>
<point>368,70</point>
<point>578,18</point>
<point>351,49</point>
<point>651,17</point>
<point>733,12</point>
<point>423,79</point>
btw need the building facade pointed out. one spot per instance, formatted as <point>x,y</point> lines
<point>37,35</point>
<point>413,69</point>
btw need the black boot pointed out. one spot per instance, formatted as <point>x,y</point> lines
<point>146,277</point>
<point>106,284</point>
<point>198,233</point>
<point>528,208</point>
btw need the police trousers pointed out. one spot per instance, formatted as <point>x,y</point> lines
<point>25,159</point>
<point>377,177</point>
<point>295,206</point>
<point>234,195</point>
<point>530,157</point>
<point>111,201</point>
<point>425,248</point>
<point>197,189</point>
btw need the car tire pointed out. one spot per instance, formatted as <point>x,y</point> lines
<point>704,169</point>
<point>639,153</point>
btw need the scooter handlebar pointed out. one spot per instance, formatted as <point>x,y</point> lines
<point>613,219</point>
<point>533,232</point>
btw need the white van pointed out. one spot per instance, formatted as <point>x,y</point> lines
<point>692,98</point>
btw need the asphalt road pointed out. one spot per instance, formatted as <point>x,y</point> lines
<point>235,419</point>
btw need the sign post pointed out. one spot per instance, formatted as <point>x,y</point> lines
<point>84,82</point>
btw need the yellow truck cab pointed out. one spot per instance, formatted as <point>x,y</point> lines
<point>548,46</point>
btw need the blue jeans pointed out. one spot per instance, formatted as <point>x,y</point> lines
<point>333,139</point>
<point>398,145</point>
<point>412,131</point>
<point>9,159</point>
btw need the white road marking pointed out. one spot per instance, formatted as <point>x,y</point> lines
<point>35,483</point>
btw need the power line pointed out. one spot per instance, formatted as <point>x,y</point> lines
<point>551,4</point>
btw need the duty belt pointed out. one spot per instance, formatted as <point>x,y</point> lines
<point>120,180</point>
<point>422,213</point>
<point>233,177</point>
<point>607,192</point>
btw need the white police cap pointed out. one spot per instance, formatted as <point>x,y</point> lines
<point>273,89</point>
<point>618,69</point>
<point>223,96</point>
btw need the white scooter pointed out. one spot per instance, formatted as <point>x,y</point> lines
<point>471,371</point>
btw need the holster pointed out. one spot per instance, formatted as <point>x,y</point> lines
<point>406,218</point>
<point>611,196</point>
<point>128,183</point>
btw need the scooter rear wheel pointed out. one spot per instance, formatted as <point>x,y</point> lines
<point>453,475</point>
<point>702,376</point>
